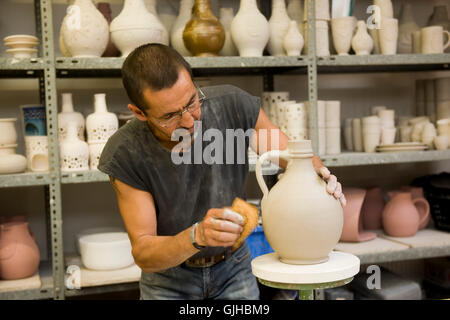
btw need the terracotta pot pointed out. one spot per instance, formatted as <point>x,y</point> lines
<point>111,50</point>
<point>301,220</point>
<point>204,35</point>
<point>19,253</point>
<point>417,192</point>
<point>402,215</point>
<point>353,230</point>
<point>372,209</point>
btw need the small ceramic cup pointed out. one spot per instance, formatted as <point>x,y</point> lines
<point>441,142</point>
<point>332,113</point>
<point>433,39</point>
<point>388,34</point>
<point>376,109</point>
<point>371,141</point>
<point>388,135</point>
<point>357,135</point>
<point>333,138</point>
<point>405,133</point>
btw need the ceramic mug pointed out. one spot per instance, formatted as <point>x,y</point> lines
<point>433,39</point>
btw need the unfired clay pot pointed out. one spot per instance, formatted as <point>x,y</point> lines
<point>372,209</point>
<point>417,192</point>
<point>301,220</point>
<point>353,223</point>
<point>19,253</point>
<point>403,215</point>
<point>204,35</point>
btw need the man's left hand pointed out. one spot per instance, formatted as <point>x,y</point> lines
<point>333,186</point>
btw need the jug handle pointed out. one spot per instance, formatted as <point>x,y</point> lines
<point>274,154</point>
<point>422,213</point>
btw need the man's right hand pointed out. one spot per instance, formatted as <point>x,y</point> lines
<point>219,228</point>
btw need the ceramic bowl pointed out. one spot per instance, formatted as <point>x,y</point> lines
<point>90,231</point>
<point>21,44</point>
<point>106,251</point>
<point>12,163</point>
<point>22,53</point>
<point>20,37</point>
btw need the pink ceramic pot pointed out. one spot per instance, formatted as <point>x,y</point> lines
<point>8,219</point>
<point>353,223</point>
<point>19,253</point>
<point>403,215</point>
<point>372,209</point>
<point>417,192</point>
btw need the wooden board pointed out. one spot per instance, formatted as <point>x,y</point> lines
<point>92,278</point>
<point>33,282</point>
<point>423,238</point>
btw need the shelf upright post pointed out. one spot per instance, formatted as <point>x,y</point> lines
<point>312,75</point>
<point>48,94</point>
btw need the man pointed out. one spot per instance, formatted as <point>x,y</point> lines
<point>161,201</point>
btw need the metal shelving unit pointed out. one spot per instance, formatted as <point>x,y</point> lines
<point>47,68</point>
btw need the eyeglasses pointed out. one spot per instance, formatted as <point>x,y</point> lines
<point>175,119</point>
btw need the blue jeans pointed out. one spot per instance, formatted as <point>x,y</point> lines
<point>230,279</point>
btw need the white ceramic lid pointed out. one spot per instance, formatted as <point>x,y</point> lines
<point>20,37</point>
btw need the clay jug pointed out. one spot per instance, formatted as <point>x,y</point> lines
<point>353,230</point>
<point>67,115</point>
<point>204,35</point>
<point>19,253</point>
<point>250,30</point>
<point>417,192</point>
<point>402,215</point>
<point>85,32</point>
<point>176,35</point>
<point>362,42</point>
<point>372,209</point>
<point>279,25</point>
<point>407,26</point>
<point>111,50</point>
<point>301,220</point>
<point>135,26</point>
<point>293,40</point>
<point>226,17</point>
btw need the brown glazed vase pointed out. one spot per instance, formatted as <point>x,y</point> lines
<point>204,35</point>
<point>19,253</point>
<point>111,50</point>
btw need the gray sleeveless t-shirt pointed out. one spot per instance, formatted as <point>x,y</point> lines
<point>183,193</point>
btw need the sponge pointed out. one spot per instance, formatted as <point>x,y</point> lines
<point>250,214</point>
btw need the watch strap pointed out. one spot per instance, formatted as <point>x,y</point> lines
<point>194,243</point>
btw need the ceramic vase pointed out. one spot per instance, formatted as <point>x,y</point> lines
<point>388,35</point>
<point>275,98</point>
<point>111,50</point>
<point>353,230</point>
<point>95,151</point>
<point>250,30</point>
<point>386,8</point>
<point>85,31</point>
<point>37,153</point>
<point>19,253</point>
<point>301,221</point>
<point>406,29</point>
<point>279,25</point>
<point>226,18</point>
<point>295,12</point>
<point>403,215</point>
<point>101,124</point>
<point>151,7</point>
<point>67,115</point>
<point>362,42</point>
<point>168,20</point>
<point>8,133</point>
<point>204,35</point>
<point>372,209</point>
<point>176,36</point>
<point>293,40</point>
<point>135,26</point>
<point>73,152</point>
<point>342,30</point>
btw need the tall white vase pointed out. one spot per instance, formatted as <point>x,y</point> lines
<point>406,29</point>
<point>226,18</point>
<point>101,124</point>
<point>295,12</point>
<point>73,153</point>
<point>176,36</point>
<point>388,35</point>
<point>362,42</point>
<point>135,26</point>
<point>84,30</point>
<point>293,40</point>
<point>68,115</point>
<point>279,24</point>
<point>250,30</point>
<point>342,30</point>
<point>151,7</point>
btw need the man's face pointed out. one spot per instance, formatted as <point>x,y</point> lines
<point>167,103</point>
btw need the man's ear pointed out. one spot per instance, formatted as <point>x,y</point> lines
<point>137,112</point>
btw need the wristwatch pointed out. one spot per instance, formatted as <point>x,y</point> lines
<point>194,243</point>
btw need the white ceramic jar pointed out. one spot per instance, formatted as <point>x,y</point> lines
<point>67,115</point>
<point>151,7</point>
<point>73,152</point>
<point>101,124</point>
<point>85,31</point>
<point>293,40</point>
<point>279,25</point>
<point>362,42</point>
<point>176,35</point>
<point>250,30</point>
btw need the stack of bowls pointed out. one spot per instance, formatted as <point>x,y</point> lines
<point>10,162</point>
<point>21,46</point>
